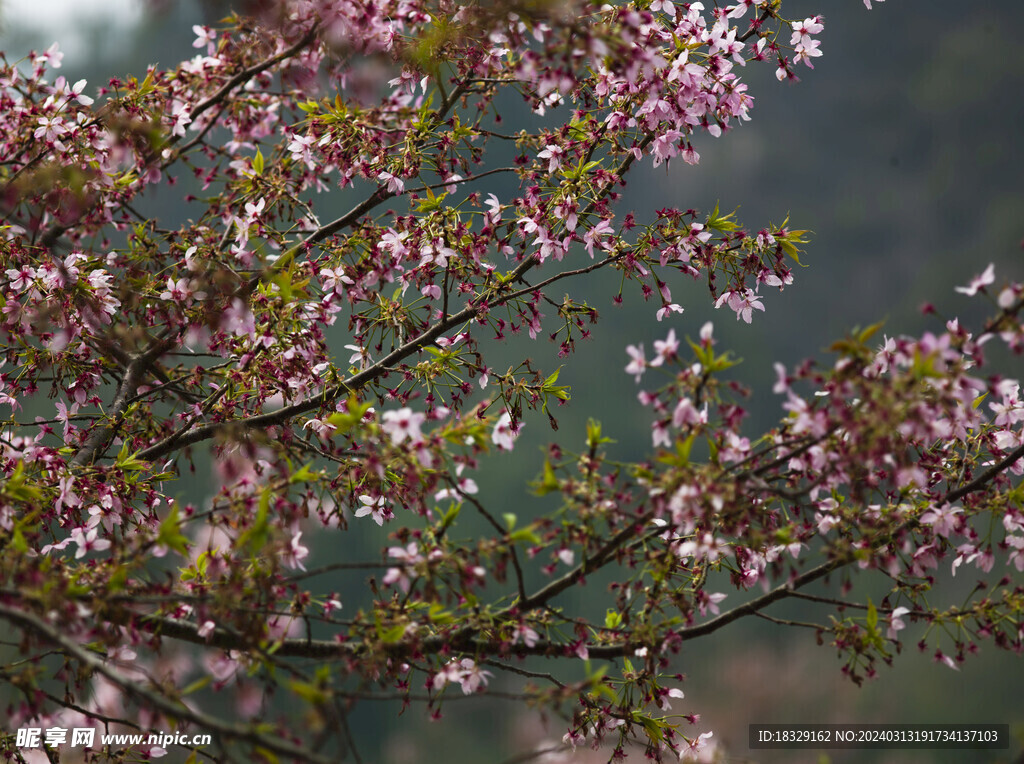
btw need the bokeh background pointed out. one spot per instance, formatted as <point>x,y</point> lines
<point>902,152</point>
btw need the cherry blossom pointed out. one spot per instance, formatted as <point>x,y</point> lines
<point>698,747</point>
<point>464,672</point>
<point>896,622</point>
<point>374,507</point>
<point>51,57</point>
<point>504,434</point>
<point>296,553</point>
<point>395,185</point>
<point>978,283</point>
<point>403,424</point>
<point>664,349</point>
<point>87,541</point>
<point>743,303</point>
<point>637,363</point>
<point>942,519</point>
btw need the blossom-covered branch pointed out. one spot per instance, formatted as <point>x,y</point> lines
<point>344,386</point>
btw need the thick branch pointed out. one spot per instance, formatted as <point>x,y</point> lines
<point>247,74</point>
<point>984,477</point>
<point>150,699</point>
<point>282,416</point>
<point>133,376</point>
<point>357,381</point>
<point>599,560</point>
<point>329,649</point>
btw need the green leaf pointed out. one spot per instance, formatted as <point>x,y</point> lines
<point>265,754</point>
<point>257,162</point>
<point>577,172</point>
<point>304,475</point>
<point>870,332</point>
<point>18,542</point>
<point>594,437</point>
<point>612,619</point>
<point>16,486</point>
<point>392,635</point>
<point>283,279</point>
<point>704,354</point>
<point>722,223</point>
<point>652,726</point>
<point>126,179</point>
<point>684,448</point>
<point>788,242</point>
<point>431,203</point>
<point>449,517</point>
<point>343,421</point>
<point>872,619</point>
<point>309,692</point>
<point>791,250</point>
<point>147,84</point>
<point>170,534</point>
<point>722,362</point>
<point>198,570</point>
<point>524,534</point>
<point>548,482</point>
<point>437,614</point>
<point>197,685</point>
<point>549,388</point>
<point>258,534</point>
<point>129,462</point>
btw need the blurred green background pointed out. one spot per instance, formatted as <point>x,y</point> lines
<point>902,152</point>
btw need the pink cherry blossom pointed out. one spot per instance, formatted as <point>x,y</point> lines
<point>665,349</point>
<point>668,310</point>
<point>51,57</point>
<point>296,553</point>
<point>896,622</point>
<point>698,747</point>
<point>504,434</point>
<point>88,541</point>
<point>403,424</point>
<point>395,184</point>
<point>978,283</point>
<point>942,519</point>
<point>374,507</point>
<point>742,303</point>
<point>637,364</point>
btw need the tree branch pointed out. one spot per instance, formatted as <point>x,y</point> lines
<point>149,698</point>
<point>357,381</point>
<point>133,376</point>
